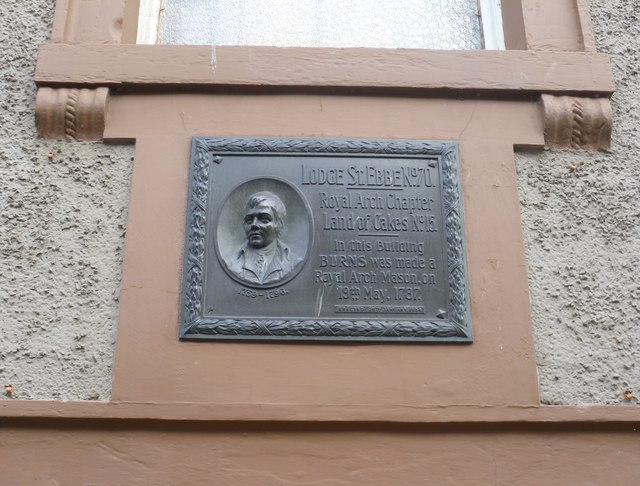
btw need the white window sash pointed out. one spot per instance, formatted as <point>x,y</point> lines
<point>148,21</point>
<point>491,14</point>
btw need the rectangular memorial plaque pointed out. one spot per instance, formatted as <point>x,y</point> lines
<point>325,240</point>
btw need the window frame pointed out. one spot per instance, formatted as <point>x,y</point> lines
<point>150,13</point>
<point>548,50</point>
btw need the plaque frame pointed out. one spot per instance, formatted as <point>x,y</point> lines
<point>452,326</point>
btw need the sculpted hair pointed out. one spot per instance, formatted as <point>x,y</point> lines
<point>274,202</point>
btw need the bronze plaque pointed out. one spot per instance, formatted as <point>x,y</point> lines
<point>325,240</point>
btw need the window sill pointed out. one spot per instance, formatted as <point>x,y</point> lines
<point>453,73</point>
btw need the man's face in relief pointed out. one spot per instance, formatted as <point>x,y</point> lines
<point>260,226</point>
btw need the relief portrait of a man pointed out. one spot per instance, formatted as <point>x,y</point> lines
<point>264,258</point>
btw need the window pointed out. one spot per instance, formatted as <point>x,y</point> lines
<point>415,24</point>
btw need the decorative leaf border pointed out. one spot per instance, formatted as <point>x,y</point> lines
<point>456,327</point>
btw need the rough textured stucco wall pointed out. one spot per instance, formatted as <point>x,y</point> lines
<point>62,224</point>
<point>582,233</point>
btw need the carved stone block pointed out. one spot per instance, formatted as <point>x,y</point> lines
<point>578,123</point>
<point>71,114</point>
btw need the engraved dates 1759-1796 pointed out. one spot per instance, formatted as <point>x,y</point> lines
<point>325,240</point>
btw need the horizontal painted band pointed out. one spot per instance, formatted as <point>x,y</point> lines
<point>160,67</point>
<point>260,412</point>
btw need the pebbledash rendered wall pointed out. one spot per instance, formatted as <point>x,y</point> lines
<point>63,215</point>
<point>581,223</point>
<point>63,220</point>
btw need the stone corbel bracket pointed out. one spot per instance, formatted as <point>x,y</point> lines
<point>71,114</point>
<point>578,123</point>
